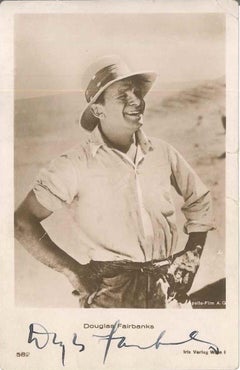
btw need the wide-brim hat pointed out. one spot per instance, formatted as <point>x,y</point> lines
<point>100,76</point>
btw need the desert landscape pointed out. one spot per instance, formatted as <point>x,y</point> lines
<point>190,116</point>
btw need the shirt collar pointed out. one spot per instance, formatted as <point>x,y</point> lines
<point>143,141</point>
<point>96,141</point>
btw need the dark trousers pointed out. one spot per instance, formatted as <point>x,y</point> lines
<point>125,284</point>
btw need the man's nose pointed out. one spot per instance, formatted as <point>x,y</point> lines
<point>134,99</point>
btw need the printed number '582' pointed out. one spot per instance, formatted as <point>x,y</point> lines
<point>23,354</point>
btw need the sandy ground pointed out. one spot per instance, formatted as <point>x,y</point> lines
<point>188,117</point>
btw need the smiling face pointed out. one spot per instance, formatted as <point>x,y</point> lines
<point>122,107</point>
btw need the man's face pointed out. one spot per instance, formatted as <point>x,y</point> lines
<point>123,107</point>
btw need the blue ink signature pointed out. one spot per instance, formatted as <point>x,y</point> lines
<point>40,336</point>
<point>122,341</point>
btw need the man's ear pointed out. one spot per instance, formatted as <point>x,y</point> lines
<point>97,111</point>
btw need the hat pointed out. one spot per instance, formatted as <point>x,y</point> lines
<point>103,73</point>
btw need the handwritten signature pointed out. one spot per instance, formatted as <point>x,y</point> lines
<point>41,337</point>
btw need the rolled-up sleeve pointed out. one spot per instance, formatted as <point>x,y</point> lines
<point>56,184</point>
<point>197,206</point>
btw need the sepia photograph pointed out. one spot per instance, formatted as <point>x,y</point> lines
<point>119,195</point>
<point>119,167</point>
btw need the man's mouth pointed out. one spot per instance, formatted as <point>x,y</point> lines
<point>136,114</point>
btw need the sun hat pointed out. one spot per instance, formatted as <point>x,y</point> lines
<point>103,73</point>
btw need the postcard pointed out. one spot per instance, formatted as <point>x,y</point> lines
<point>119,196</point>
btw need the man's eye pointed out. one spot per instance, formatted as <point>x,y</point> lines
<point>122,96</point>
<point>138,92</point>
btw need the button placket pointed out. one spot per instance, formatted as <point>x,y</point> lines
<point>139,198</point>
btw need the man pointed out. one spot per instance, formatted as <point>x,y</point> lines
<point>118,183</point>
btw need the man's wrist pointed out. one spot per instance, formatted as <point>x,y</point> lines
<point>196,241</point>
<point>69,273</point>
<point>71,268</point>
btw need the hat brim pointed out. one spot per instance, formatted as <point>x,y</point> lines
<point>88,121</point>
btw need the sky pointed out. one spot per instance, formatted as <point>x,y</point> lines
<point>52,51</point>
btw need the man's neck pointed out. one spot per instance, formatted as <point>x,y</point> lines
<point>122,142</point>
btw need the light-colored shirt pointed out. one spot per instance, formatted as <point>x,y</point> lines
<point>124,209</point>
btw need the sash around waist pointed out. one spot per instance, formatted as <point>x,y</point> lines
<point>111,268</point>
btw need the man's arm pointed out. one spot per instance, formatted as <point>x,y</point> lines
<point>32,236</point>
<point>197,241</point>
<point>197,209</point>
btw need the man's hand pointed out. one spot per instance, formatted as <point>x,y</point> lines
<point>81,280</point>
<point>183,269</point>
<point>181,273</point>
<point>86,285</point>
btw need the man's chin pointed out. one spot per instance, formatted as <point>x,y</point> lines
<point>134,122</point>
<point>134,126</point>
